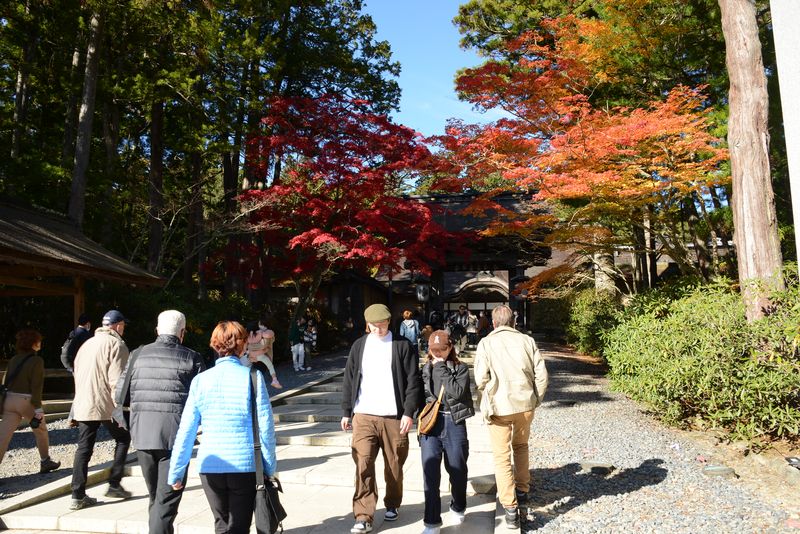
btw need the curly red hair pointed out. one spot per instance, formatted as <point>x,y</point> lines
<point>27,338</point>
<point>228,338</point>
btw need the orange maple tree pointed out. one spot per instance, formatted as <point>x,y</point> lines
<point>605,172</point>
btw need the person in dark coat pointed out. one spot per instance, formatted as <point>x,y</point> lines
<point>448,437</point>
<point>159,386</point>
<point>381,393</point>
<point>75,339</point>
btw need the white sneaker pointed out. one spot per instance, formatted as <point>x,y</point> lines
<point>455,518</point>
<point>431,530</point>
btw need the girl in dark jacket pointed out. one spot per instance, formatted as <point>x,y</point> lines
<point>449,435</point>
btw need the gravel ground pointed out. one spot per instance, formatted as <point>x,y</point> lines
<point>656,484</point>
<point>20,468</point>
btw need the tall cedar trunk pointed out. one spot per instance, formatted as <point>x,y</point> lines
<point>111,122</point>
<point>77,198</point>
<point>71,111</point>
<point>21,90</point>
<point>193,229</point>
<point>156,186</point>
<point>756,227</point>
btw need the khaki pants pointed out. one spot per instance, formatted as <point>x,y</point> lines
<point>371,433</point>
<point>510,433</point>
<point>17,407</point>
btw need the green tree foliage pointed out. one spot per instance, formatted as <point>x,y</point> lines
<point>180,87</point>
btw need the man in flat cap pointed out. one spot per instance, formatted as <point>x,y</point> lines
<point>382,391</point>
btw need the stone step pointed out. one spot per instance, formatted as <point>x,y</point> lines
<point>329,434</point>
<point>308,413</point>
<point>322,397</point>
<point>57,405</point>
<point>329,388</point>
<point>48,417</point>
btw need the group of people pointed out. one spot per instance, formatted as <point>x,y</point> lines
<point>463,327</point>
<point>157,396</point>
<point>510,372</point>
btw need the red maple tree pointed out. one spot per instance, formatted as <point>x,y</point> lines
<point>336,204</point>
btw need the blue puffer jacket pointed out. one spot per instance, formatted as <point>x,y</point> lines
<point>219,399</point>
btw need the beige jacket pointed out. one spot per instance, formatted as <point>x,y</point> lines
<point>98,365</point>
<point>510,372</point>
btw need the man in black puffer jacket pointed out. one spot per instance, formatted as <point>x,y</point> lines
<point>161,374</point>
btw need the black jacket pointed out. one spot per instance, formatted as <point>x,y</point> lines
<point>457,398</point>
<point>76,338</point>
<point>405,374</point>
<point>162,374</point>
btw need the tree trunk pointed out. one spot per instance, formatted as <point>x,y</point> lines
<point>756,227</point>
<point>650,244</point>
<point>70,112</point>
<point>77,199</point>
<point>603,264</point>
<point>21,91</point>
<point>156,186</point>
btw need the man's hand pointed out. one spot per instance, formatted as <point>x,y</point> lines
<point>346,424</point>
<point>405,424</point>
<point>177,486</point>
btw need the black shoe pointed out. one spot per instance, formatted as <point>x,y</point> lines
<point>80,504</point>
<point>512,518</point>
<point>47,465</point>
<point>522,496</point>
<point>390,515</point>
<point>118,492</point>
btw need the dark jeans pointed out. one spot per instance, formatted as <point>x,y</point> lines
<point>447,439</point>
<point>87,435</point>
<point>232,500</point>
<point>164,500</point>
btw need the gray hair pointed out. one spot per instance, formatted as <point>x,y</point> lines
<point>502,316</point>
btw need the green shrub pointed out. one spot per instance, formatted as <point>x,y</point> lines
<point>696,359</point>
<point>591,315</point>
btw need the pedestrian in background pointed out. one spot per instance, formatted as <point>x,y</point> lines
<point>159,386</point>
<point>24,397</point>
<point>260,341</point>
<point>409,328</point>
<point>75,340</point>
<point>297,343</point>
<point>219,400</point>
<point>448,438</point>
<point>511,373</point>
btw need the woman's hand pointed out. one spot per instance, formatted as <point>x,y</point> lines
<point>177,486</point>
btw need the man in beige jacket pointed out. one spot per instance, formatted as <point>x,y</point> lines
<point>98,365</point>
<point>511,374</point>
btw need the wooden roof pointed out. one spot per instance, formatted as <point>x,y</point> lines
<point>35,243</point>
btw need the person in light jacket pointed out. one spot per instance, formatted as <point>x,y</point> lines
<point>219,400</point>
<point>511,373</point>
<point>448,437</point>
<point>98,366</point>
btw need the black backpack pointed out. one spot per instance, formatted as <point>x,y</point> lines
<point>65,357</point>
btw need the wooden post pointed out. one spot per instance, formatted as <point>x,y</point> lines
<point>78,300</point>
<point>785,15</point>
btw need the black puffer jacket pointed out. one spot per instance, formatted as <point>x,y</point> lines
<point>457,397</point>
<point>162,374</point>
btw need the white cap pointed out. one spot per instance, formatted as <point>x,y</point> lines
<point>170,322</point>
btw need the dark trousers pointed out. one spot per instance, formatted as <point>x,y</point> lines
<point>447,439</point>
<point>87,435</point>
<point>164,500</point>
<point>231,497</point>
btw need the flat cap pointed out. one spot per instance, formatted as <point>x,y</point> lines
<point>377,313</point>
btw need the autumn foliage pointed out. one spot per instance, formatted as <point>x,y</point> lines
<point>606,172</point>
<point>335,205</point>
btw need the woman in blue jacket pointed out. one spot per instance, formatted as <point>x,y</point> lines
<point>219,399</point>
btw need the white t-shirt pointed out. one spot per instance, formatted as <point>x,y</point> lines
<point>376,393</point>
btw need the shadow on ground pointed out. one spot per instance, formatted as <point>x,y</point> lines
<point>557,491</point>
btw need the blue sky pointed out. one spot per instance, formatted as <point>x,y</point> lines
<point>425,42</point>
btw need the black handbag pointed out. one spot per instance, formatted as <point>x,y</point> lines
<point>269,512</point>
